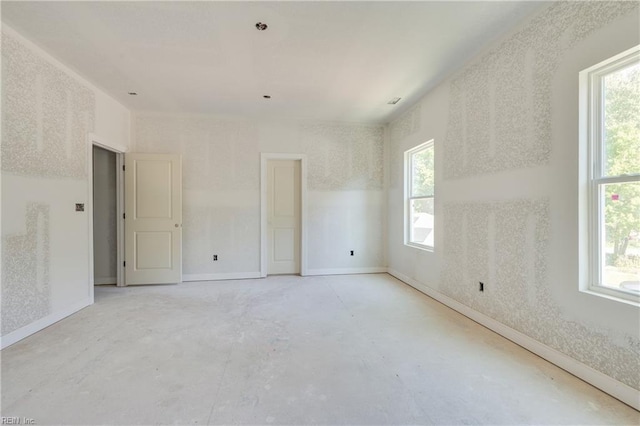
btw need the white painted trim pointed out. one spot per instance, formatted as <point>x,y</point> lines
<point>347,271</point>
<point>120,219</point>
<point>42,323</point>
<point>89,212</point>
<point>108,145</point>
<point>105,280</point>
<point>264,157</point>
<point>221,276</point>
<point>613,387</point>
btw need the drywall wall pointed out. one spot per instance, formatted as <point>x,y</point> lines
<point>506,138</point>
<point>104,216</point>
<point>112,122</point>
<point>48,113</point>
<point>221,184</point>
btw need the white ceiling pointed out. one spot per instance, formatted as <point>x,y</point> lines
<point>321,60</point>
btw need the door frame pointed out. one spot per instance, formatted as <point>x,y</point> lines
<point>119,150</point>
<point>264,158</point>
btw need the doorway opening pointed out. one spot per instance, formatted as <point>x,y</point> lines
<point>106,208</point>
<point>105,221</point>
<point>283,214</point>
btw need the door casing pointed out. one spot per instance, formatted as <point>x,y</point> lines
<point>264,158</point>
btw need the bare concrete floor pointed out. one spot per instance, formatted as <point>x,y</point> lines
<point>359,349</point>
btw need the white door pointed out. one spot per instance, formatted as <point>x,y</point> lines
<point>283,216</point>
<point>153,219</point>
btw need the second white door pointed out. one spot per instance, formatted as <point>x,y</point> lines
<point>283,216</point>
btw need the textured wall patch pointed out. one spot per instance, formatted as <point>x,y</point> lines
<point>506,246</point>
<point>405,125</point>
<point>500,107</point>
<point>26,293</point>
<point>46,116</point>
<point>343,156</point>
<point>217,154</point>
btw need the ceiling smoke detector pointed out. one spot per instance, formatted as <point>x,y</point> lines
<point>261,26</point>
<point>393,101</point>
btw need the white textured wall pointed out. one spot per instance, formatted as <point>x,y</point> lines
<point>221,199</point>
<point>47,115</point>
<point>506,137</point>
<point>112,121</point>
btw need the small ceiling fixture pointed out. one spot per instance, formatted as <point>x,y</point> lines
<point>393,101</point>
<point>266,96</point>
<point>133,94</point>
<point>261,26</point>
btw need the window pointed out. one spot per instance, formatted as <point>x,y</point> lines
<point>613,129</point>
<point>419,196</point>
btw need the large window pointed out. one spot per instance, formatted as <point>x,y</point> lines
<point>613,130</point>
<point>419,196</point>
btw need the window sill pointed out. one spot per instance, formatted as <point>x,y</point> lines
<point>420,247</point>
<point>616,296</point>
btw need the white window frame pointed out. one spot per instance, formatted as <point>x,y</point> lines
<point>408,182</point>
<point>592,136</point>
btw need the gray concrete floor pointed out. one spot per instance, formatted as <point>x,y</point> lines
<point>359,349</point>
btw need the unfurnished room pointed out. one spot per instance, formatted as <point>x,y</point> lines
<point>320,212</point>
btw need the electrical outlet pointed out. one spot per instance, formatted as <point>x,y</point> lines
<point>481,286</point>
<point>215,257</point>
<point>351,252</point>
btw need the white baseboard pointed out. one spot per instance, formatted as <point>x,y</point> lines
<point>221,276</point>
<point>613,387</point>
<point>346,271</point>
<point>34,327</point>
<point>104,281</point>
